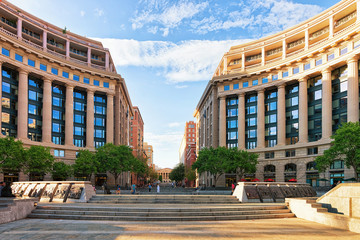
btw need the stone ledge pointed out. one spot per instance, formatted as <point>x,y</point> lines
<point>16,208</point>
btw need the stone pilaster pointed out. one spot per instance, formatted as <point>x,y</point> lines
<point>47,111</point>
<point>110,118</point>
<point>241,121</point>
<point>0,92</point>
<point>90,118</point>
<point>326,104</point>
<point>222,122</point>
<point>69,115</point>
<point>117,116</point>
<point>281,116</point>
<point>22,127</point>
<point>353,90</point>
<point>303,111</point>
<point>261,119</point>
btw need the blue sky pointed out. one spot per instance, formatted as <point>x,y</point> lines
<point>167,50</point>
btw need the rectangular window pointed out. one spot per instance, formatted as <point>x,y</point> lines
<point>236,86</point>
<point>96,83</point>
<point>18,57</point>
<point>43,67</point>
<point>285,74</point>
<point>245,84</point>
<point>290,153</point>
<point>357,44</point>
<point>296,70</point>
<point>31,63</point>
<point>255,82</point>
<point>269,155</point>
<point>318,62</point>
<point>275,77</point>
<point>86,80</point>
<point>331,57</point>
<point>5,52</point>
<point>59,153</point>
<point>106,84</point>
<point>54,71</point>
<point>343,51</point>
<point>312,151</point>
<point>65,74</point>
<point>76,77</point>
<point>306,66</point>
<point>226,87</point>
<point>264,80</point>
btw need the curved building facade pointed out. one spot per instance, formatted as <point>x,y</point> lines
<point>284,95</point>
<point>59,89</point>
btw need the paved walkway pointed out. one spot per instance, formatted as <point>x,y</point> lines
<point>286,229</point>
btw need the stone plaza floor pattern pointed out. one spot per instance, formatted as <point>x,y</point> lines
<point>292,228</point>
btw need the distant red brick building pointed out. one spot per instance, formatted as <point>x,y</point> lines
<point>187,151</point>
<point>137,139</point>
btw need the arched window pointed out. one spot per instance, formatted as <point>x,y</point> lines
<point>269,168</point>
<point>311,166</point>
<point>290,167</point>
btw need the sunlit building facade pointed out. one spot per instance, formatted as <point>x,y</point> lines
<point>58,90</point>
<point>284,95</point>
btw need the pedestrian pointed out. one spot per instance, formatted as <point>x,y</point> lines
<point>118,189</point>
<point>2,185</point>
<point>6,190</point>
<point>150,187</point>
<point>232,187</point>
<point>158,188</point>
<point>133,189</point>
<point>104,187</point>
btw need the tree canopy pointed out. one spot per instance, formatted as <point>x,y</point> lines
<point>218,161</point>
<point>39,161</point>
<point>85,164</point>
<point>178,173</point>
<point>60,171</point>
<point>12,155</point>
<point>345,146</point>
<point>115,159</point>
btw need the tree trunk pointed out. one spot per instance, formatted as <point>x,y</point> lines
<point>356,174</point>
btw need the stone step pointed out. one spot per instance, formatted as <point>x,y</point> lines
<point>151,196</point>
<point>163,214</point>
<point>161,218</point>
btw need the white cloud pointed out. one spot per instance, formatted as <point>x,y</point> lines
<point>98,12</point>
<point>82,13</point>
<point>193,60</point>
<point>176,124</point>
<point>165,14</point>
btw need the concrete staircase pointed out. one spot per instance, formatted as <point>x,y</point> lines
<point>161,208</point>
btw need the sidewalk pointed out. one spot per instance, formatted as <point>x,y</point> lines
<point>286,229</point>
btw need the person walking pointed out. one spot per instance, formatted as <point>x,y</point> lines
<point>133,189</point>
<point>158,188</point>
<point>118,190</point>
<point>232,187</point>
<point>2,185</point>
<point>150,187</point>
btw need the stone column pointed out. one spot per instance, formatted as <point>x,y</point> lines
<point>261,119</point>
<point>22,127</point>
<point>225,66</point>
<point>69,115</point>
<point>222,122</point>
<point>110,118</point>
<point>306,39</point>
<point>353,90</point>
<point>331,26</point>
<point>90,118</point>
<point>117,115</point>
<point>67,49</point>
<point>19,28</point>
<point>44,40</point>
<point>241,121</point>
<point>281,116</point>
<point>243,61</point>
<point>263,56</point>
<point>327,104</point>
<point>47,111</point>
<point>215,119</point>
<point>303,111</point>
<point>107,61</point>
<point>284,46</point>
<point>89,57</point>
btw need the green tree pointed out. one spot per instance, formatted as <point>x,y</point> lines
<point>345,146</point>
<point>152,174</point>
<point>178,173</point>
<point>115,159</point>
<point>60,171</point>
<point>240,162</point>
<point>85,164</point>
<point>190,174</point>
<point>12,155</point>
<point>160,178</point>
<point>39,161</point>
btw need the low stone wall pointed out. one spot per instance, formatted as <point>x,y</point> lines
<point>55,191</point>
<point>16,209</point>
<point>271,192</point>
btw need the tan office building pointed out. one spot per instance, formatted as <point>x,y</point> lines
<point>59,89</point>
<point>284,95</point>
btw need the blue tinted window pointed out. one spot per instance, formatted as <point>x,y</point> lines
<point>76,77</point>
<point>318,62</point>
<point>31,62</point>
<point>106,84</point>
<point>285,74</point>
<point>5,52</point>
<point>6,87</point>
<point>296,70</point>
<point>86,80</point>
<point>264,80</point>
<point>331,57</point>
<point>18,57</point>
<point>54,71</point>
<point>65,74</point>
<point>245,84</point>
<point>255,82</point>
<point>43,67</point>
<point>226,87</point>
<point>307,66</point>
<point>275,77</point>
<point>236,86</point>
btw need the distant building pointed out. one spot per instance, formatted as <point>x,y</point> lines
<point>188,139</point>
<point>149,154</point>
<point>165,173</point>
<point>137,139</point>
